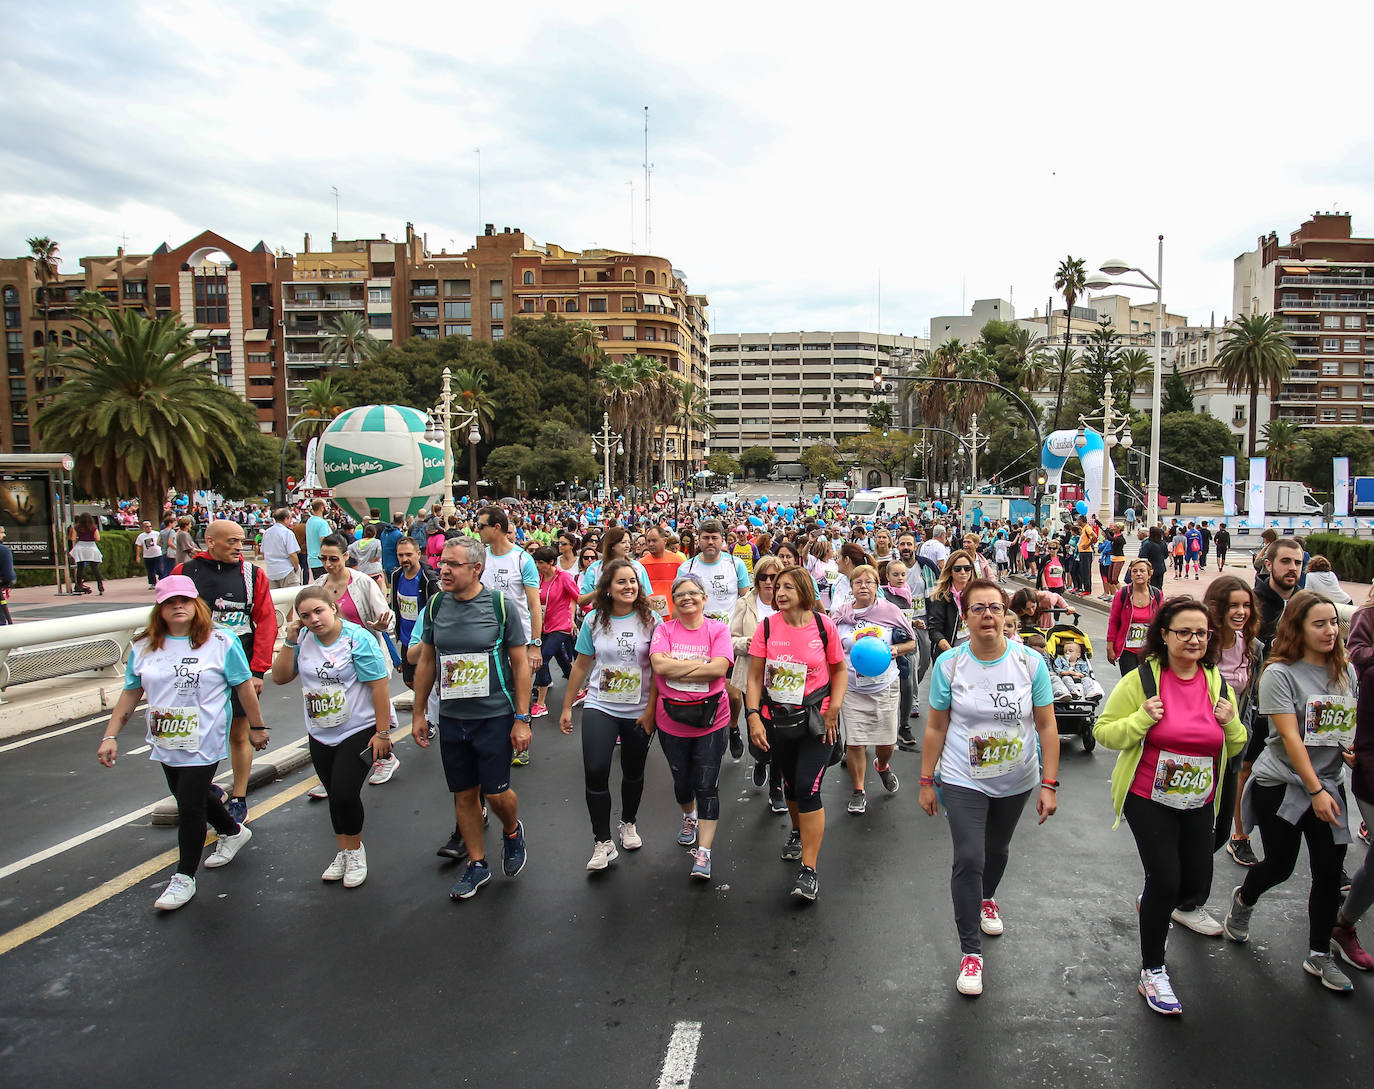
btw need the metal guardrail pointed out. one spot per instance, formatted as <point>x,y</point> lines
<point>43,650</point>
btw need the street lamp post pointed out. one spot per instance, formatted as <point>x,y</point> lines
<point>604,440</point>
<point>1112,434</point>
<point>290,433</point>
<point>442,421</point>
<point>1110,269</point>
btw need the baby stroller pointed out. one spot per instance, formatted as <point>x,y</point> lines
<point>1075,716</point>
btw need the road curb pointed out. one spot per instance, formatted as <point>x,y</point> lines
<point>264,773</point>
<point>1073,599</point>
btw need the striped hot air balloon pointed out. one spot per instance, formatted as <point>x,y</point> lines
<point>377,456</point>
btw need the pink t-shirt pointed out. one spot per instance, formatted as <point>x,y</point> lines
<point>711,640</point>
<point>1188,727</point>
<point>558,596</point>
<point>797,646</point>
<point>1234,664</point>
<point>348,610</point>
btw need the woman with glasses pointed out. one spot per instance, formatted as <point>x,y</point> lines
<point>796,671</point>
<point>944,606</point>
<point>873,700</point>
<point>1175,731</point>
<point>990,703</point>
<point>612,668</point>
<point>359,598</point>
<point>749,611</point>
<point>691,656</point>
<point>567,556</point>
<point>1309,692</point>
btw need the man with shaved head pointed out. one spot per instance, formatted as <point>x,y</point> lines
<point>240,599</point>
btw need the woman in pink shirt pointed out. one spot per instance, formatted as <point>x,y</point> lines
<point>1174,741</point>
<point>1132,610</point>
<point>691,655</point>
<point>557,595</point>
<point>793,655</point>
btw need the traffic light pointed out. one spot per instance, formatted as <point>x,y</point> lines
<point>1041,478</point>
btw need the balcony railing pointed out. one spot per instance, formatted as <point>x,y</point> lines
<point>325,304</point>
<point>1344,281</point>
<point>311,358</point>
<point>1327,304</point>
<point>1301,327</point>
<point>307,331</point>
<point>1303,375</point>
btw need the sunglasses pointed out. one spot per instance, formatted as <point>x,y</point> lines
<point>767,578</point>
<point>961,567</point>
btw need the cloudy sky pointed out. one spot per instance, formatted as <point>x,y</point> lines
<point>803,153</point>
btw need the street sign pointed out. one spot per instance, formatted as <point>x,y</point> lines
<point>661,496</point>
<point>290,483</point>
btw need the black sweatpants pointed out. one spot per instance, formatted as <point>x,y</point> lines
<point>1175,848</point>
<point>695,765</point>
<point>196,803</point>
<point>599,731</point>
<point>342,771</point>
<point>1282,841</point>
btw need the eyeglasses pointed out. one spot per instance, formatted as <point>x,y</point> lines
<point>982,609</point>
<point>1187,636</point>
<point>455,564</point>
<point>767,578</point>
<point>688,595</point>
<point>589,555</point>
<point>962,567</point>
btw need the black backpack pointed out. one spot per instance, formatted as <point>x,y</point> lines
<point>1151,689</point>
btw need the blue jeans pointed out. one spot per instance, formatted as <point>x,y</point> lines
<point>558,646</point>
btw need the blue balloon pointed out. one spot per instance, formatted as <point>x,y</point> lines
<point>868,525</point>
<point>754,520</point>
<point>870,656</point>
<point>1081,507</point>
<point>816,498</point>
<point>763,500</point>
<point>720,503</point>
<point>942,508</point>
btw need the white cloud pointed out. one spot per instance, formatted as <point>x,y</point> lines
<point>801,151</point>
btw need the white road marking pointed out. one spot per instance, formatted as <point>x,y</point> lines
<point>139,751</point>
<point>681,1057</point>
<point>53,733</point>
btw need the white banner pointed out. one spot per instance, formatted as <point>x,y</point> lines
<point>1228,487</point>
<point>1340,477</point>
<point>1257,476</point>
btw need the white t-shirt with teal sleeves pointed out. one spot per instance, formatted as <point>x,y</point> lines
<point>334,683</point>
<point>188,690</point>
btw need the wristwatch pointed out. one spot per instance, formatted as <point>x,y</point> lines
<point>536,642</point>
<point>522,718</point>
<point>752,711</point>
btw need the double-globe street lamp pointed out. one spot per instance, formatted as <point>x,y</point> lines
<point>1112,433</point>
<point>1110,271</point>
<point>602,441</point>
<point>442,421</point>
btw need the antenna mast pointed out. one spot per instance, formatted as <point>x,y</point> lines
<point>648,228</point>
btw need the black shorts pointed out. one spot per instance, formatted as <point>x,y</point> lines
<point>477,752</point>
<point>235,705</point>
<point>407,671</point>
<point>1259,734</point>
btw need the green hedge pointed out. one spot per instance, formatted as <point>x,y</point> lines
<point>116,545</point>
<point>1353,560</point>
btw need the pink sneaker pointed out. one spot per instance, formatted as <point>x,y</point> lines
<point>538,710</point>
<point>1347,944</point>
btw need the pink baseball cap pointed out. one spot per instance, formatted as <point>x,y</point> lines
<point>176,586</point>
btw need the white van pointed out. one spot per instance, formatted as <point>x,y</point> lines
<point>728,498</point>
<point>878,504</point>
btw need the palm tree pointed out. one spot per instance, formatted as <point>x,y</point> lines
<point>1070,280</point>
<point>349,340</point>
<point>669,397</point>
<point>586,344</point>
<point>317,404</point>
<point>1255,355</point>
<point>1135,367</point>
<point>1281,446</point>
<point>1024,351</point>
<point>619,390</point>
<point>693,414</point>
<point>647,371</point>
<point>46,256</point>
<point>134,417</point>
<point>469,387</point>
<point>92,304</point>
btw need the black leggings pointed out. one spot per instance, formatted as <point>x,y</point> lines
<point>190,786</point>
<point>802,763</point>
<point>1128,661</point>
<point>1175,848</point>
<point>695,764</point>
<point>981,828</point>
<point>599,731</point>
<point>1282,842</point>
<point>342,772</point>
<point>82,569</point>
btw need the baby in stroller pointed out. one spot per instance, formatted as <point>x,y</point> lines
<point>1076,670</point>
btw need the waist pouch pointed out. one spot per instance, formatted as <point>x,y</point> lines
<point>792,723</point>
<point>699,714</point>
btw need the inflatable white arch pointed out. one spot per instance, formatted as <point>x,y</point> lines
<point>1062,445</point>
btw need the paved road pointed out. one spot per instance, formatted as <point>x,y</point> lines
<point>272,976</point>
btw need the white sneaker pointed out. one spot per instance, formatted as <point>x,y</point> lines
<point>336,868</point>
<point>355,867</point>
<point>179,890</point>
<point>318,793</point>
<point>603,854</point>
<point>629,836</point>
<point>990,920</point>
<point>1199,920</point>
<point>382,770</point>
<point>227,847</point>
<point>970,981</point>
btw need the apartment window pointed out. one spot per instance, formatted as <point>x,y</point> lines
<point>1238,415</point>
<point>1350,368</point>
<point>497,333</point>
<point>425,289</point>
<point>259,357</point>
<point>11,295</point>
<point>629,276</point>
<point>1329,393</point>
<point>627,332</point>
<point>1330,367</point>
<point>379,321</point>
<point>12,317</point>
<point>1352,321</point>
<point>570,306</point>
<point>425,332</point>
<point>457,287</point>
<point>649,276</point>
<point>498,310</point>
<point>135,289</point>
<point>19,410</point>
<point>1328,415</point>
<point>463,329</point>
<point>379,294</point>
<point>458,310</point>
<point>1349,415</point>
<point>1331,344</point>
<point>627,304</point>
<point>498,289</point>
<point>1352,345</point>
<point>162,295</point>
<point>652,334</point>
<point>1331,321</point>
<point>596,306</point>
<point>527,306</point>
<point>424,312</point>
<point>1350,393</point>
<point>528,278</point>
<point>14,342</point>
<point>258,379</point>
<point>18,387</point>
